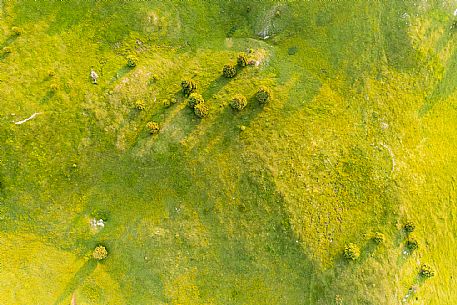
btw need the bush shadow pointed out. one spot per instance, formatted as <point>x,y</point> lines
<point>79,277</point>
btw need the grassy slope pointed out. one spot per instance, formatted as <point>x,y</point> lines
<point>204,213</point>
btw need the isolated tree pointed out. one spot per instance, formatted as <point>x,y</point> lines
<point>263,95</point>
<point>100,253</point>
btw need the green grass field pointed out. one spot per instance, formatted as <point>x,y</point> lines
<point>241,207</point>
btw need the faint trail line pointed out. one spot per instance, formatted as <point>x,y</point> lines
<point>31,117</point>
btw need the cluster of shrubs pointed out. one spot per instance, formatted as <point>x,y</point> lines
<point>411,244</point>
<point>196,102</point>
<point>230,70</point>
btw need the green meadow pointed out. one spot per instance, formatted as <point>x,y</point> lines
<point>249,207</point>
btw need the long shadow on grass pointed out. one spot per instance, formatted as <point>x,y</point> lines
<point>78,278</point>
<point>215,87</point>
<point>47,96</point>
<point>226,127</point>
<point>8,41</point>
<point>121,73</point>
<point>444,88</point>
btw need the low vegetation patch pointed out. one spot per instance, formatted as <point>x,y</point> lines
<point>351,251</point>
<point>153,127</point>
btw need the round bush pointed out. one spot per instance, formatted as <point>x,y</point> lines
<point>153,127</point>
<point>412,244</point>
<point>53,87</point>
<point>409,227</point>
<point>132,61</point>
<point>100,253</point>
<point>351,251</point>
<point>194,100</point>
<point>201,110</point>
<point>188,86</point>
<point>17,30</point>
<point>242,60</point>
<point>426,271</point>
<point>263,95</point>
<point>238,102</point>
<point>140,105</point>
<point>379,238</point>
<point>229,71</point>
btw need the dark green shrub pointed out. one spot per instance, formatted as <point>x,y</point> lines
<point>426,271</point>
<point>242,60</point>
<point>379,238</point>
<point>229,71</point>
<point>153,127</point>
<point>188,86</point>
<point>100,253</point>
<point>263,95</point>
<point>238,102</point>
<point>409,227</point>
<point>351,251</point>
<point>17,30</point>
<point>140,105</point>
<point>51,73</point>
<point>132,60</point>
<point>412,244</point>
<point>201,110</point>
<point>194,100</point>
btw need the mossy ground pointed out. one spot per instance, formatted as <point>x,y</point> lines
<point>358,137</point>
